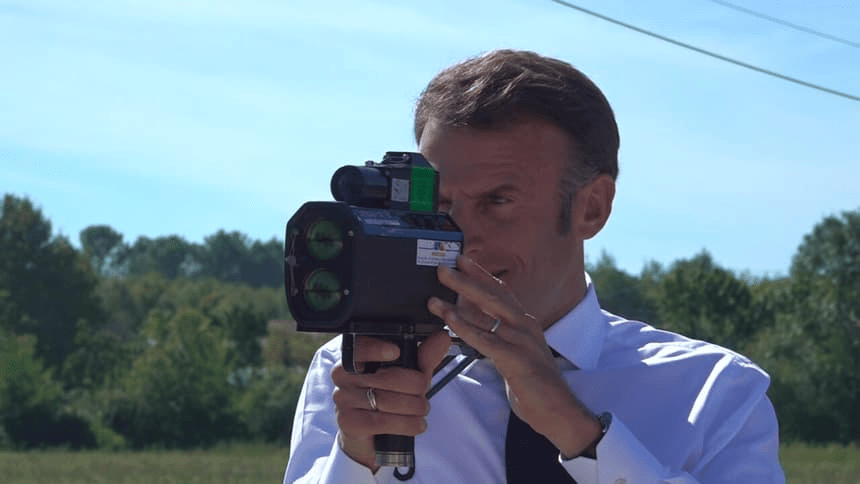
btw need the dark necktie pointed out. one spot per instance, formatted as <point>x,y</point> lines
<point>530,458</point>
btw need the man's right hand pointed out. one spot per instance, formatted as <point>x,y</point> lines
<point>401,406</point>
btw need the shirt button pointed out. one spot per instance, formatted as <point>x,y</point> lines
<point>621,480</point>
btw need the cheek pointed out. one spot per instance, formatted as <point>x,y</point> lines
<point>532,250</point>
<point>528,239</point>
<point>554,258</point>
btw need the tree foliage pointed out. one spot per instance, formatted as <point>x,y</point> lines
<point>620,292</point>
<point>268,406</point>
<point>102,244</point>
<point>31,410</point>
<point>101,358</point>
<point>704,301</point>
<point>177,392</point>
<point>226,256</point>
<point>814,353</point>
<point>165,255</point>
<point>828,260</point>
<point>46,287</point>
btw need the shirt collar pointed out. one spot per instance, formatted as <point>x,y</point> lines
<point>578,336</point>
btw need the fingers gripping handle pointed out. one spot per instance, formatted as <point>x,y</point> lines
<point>391,450</point>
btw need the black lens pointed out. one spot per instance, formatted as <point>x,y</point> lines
<point>325,239</point>
<point>322,290</point>
<point>359,185</point>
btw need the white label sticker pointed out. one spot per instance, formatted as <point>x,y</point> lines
<point>437,253</point>
<point>399,190</point>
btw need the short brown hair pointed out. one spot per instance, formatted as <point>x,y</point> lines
<point>502,87</point>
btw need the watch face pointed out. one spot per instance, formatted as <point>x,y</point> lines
<point>605,420</point>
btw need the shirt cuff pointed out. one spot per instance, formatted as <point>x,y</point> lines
<point>620,458</point>
<point>341,468</point>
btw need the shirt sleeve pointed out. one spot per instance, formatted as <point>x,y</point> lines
<point>315,456</point>
<point>740,438</point>
<point>620,459</point>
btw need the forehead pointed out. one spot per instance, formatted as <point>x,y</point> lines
<point>529,154</point>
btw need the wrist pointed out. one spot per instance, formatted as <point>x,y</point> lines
<point>599,424</point>
<point>360,450</point>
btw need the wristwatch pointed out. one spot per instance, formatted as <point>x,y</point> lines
<point>605,420</point>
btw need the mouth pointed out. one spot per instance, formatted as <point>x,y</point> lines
<point>499,275</point>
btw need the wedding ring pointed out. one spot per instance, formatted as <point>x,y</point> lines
<point>371,399</point>
<point>496,325</point>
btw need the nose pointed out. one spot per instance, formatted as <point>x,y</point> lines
<point>471,225</point>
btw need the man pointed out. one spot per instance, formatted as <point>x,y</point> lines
<point>526,147</point>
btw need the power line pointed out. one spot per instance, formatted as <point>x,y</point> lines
<point>709,53</point>
<point>787,24</point>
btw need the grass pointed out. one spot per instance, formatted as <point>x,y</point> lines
<point>240,464</point>
<point>830,464</point>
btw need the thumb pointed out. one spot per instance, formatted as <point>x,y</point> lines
<point>432,350</point>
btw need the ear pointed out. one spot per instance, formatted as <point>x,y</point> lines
<point>592,206</point>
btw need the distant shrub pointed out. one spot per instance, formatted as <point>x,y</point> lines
<point>32,410</point>
<point>269,403</point>
<point>284,345</point>
<point>177,393</point>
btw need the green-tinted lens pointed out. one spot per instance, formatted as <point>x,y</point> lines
<point>325,239</point>
<point>322,290</point>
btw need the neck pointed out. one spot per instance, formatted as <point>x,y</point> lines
<point>574,292</point>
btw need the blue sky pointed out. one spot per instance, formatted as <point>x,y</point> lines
<point>170,117</point>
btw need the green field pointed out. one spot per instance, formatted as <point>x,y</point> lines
<point>234,465</point>
<point>832,464</point>
<point>261,464</point>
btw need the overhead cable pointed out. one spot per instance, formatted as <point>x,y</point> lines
<point>709,53</point>
<point>787,24</point>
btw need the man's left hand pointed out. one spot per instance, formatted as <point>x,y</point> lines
<point>536,390</point>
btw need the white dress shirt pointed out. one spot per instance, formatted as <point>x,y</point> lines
<point>683,411</point>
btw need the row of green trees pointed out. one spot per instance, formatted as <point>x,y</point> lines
<point>226,256</point>
<point>112,346</point>
<point>94,356</point>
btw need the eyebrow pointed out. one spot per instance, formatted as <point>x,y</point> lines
<point>502,188</point>
<point>505,187</point>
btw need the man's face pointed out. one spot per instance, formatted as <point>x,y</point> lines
<point>502,189</point>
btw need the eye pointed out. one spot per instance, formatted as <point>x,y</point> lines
<point>496,199</point>
<point>444,205</point>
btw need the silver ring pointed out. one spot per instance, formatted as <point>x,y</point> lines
<point>371,399</point>
<point>496,325</point>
